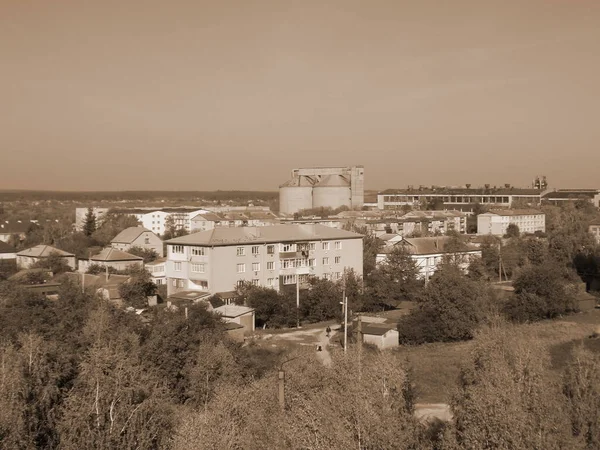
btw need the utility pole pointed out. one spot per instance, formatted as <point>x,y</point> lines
<point>281,390</point>
<point>345,323</point>
<point>297,300</point>
<point>360,342</point>
<point>500,262</point>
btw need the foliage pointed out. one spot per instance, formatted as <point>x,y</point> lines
<point>541,292</point>
<point>272,308</point>
<point>149,254</point>
<point>112,224</point>
<point>138,288</point>
<point>394,280</point>
<point>512,231</point>
<point>506,398</point>
<point>450,308</point>
<point>89,224</point>
<point>54,262</point>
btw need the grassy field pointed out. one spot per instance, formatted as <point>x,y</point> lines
<point>436,366</point>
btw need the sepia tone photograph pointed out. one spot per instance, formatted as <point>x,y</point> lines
<point>319,224</point>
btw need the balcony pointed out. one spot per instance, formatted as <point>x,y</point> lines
<point>290,255</point>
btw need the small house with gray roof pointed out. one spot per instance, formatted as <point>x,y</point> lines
<point>28,257</point>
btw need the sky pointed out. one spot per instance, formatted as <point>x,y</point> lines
<point>207,95</point>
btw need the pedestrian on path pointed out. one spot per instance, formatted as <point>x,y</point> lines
<point>328,331</point>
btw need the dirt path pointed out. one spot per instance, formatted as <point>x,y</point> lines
<point>324,355</point>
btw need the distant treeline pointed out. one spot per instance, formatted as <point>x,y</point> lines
<point>11,196</point>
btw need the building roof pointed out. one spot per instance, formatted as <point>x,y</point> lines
<point>462,191</point>
<point>567,194</point>
<point>112,254</point>
<point>192,296</point>
<point>233,310</point>
<point>335,180</point>
<point>128,235</point>
<point>431,245</point>
<point>266,234</point>
<point>377,329</point>
<point>5,248</point>
<point>156,262</point>
<point>389,236</point>
<point>209,216</point>
<point>513,212</point>
<point>42,251</point>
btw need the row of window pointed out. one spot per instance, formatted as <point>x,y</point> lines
<point>241,251</point>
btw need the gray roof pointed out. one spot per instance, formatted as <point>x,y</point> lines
<point>112,254</point>
<point>42,251</point>
<point>128,235</point>
<point>463,191</point>
<point>431,245</point>
<point>266,234</point>
<point>377,329</point>
<point>233,310</point>
<point>5,248</point>
<point>513,212</point>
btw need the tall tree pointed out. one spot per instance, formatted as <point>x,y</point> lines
<point>89,224</point>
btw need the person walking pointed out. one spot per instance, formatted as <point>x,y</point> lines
<point>328,331</point>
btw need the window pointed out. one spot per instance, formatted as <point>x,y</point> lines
<point>270,249</point>
<point>198,268</point>
<point>271,282</point>
<point>325,245</point>
<point>241,251</point>
<point>312,246</point>
<point>203,284</point>
<point>337,275</point>
<point>289,279</point>
<point>338,259</point>
<point>198,251</point>
<point>255,267</point>
<point>311,262</point>
<point>338,245</point>
<point>180,283</point>
<point>255,250</point>
<point>177,248</point>
<point>241,268</point>
<point>326,261</point>
<point>288,247</point>
<point>327,276</point>
<point>177,266</point>
<point>240,283</point>
<point>147,241</point>
<point>255,282</point>
<point>270,265</point>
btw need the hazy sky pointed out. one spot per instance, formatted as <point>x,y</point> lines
<point>198,95</point>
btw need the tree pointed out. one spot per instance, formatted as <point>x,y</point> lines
<point>506,398</point>
<point>149,254</point>
<point>138,288</point>
<point>395,279</point>
<point>512,231</point>
<point>450,308</point>
<point>272,308</point>
<point>541,293</point>
<point>89,224</point>
<point>170,228</point>
<point>112,224</point>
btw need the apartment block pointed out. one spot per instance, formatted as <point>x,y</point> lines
<point>218,260</point>
<point>496,221</point>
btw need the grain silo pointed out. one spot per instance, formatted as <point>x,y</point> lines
<point>322,187</point>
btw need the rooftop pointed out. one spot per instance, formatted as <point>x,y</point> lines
<point>431,245</point>
<point>444,190</point>
<point>377,329</point>
<point>128,235</point>
<point>42,251</point>
<point>513,212</point>
<point>233,310</point>
<point>112,254</point>
<point>266,234</point>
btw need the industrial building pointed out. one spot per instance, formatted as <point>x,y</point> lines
<point>327,187</point>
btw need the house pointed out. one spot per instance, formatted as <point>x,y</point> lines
<point>205,221</point>
<point>137,237</point>
<point>390,239</point>
<point>594,230</point>
<point>428,252</point>
<point>274,256</point>
<point>382,335</point>
<point>40,281</point>
<point>158,271</point>
<point>28,257</point>
<point>8,259</point>
<point>242,315</point>
<point>496,221</point>
<point>18,229</point>
<point>111,257</point>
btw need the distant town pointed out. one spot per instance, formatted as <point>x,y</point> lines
<point>323,267</point>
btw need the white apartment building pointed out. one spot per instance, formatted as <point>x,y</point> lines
<point>271,256</point>
<point>496,221</point>
<point>157,269</point>
<point>428,252</point>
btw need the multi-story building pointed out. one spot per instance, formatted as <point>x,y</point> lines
<point>249,218</point>
<point>561,196</point>
<point>158,270</point>
<point>272,256</point>
<point>459,198</point>
<point>420,222</point>
<point>428,253</point>
<point>496,221</point>
<point>317,187</point>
